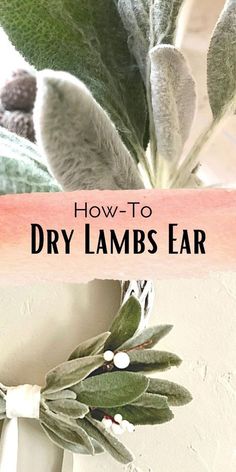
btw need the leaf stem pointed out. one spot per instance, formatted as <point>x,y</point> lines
<point>183,173</point>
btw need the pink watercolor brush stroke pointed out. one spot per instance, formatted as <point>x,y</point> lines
<point>214,211</point>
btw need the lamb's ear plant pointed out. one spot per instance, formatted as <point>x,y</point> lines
<point>134,87</point>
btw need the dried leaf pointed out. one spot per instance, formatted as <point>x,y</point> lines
<point>147,338</point>
<point>2,406</point>
<point>71,372</point>
<point>149,360</point>
<point>84,151</point>
<point>173,100</point>
<point>148,409</point>
<point>71,408</point>
<point>67,430</point>
<point>221,63</point>
<point>111,389</point>
<point>62,394</point>
<point>91,346</point>
<point>176,394</point>
<point>73,447</point>
<point>110,443</point>
<point>125,324</point>
<point>87,39</point>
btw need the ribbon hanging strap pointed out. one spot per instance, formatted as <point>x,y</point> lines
<point>21,402</point>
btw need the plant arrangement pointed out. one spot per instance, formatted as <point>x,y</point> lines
<point>134,87</point>
<point>104,388</point>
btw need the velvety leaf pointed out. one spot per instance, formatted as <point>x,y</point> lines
<point>73,447</point>
<point>176,394</point>
<point>125,324</point>
<point>221,62</point>
<point>168,33</point>
<point>67,430</point>
<point>71,408</point>
<point>135,16</point>
<point>20,168</point>
<point>109,442</point>
<point>173,100</point>
<point>142,360</point>
<point>111,389</point>
<point>149,409</point>
<point>2,405</point>
<point>147,338</point>
<point>84,151</point>
<point>148,24</point>
<point>71,372</point>
<point>87,39</point>
<point>91,346</point>
<point>148,400</point>
<point>61,395</point>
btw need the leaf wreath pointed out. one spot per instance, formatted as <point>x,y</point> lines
<point>88,400</point>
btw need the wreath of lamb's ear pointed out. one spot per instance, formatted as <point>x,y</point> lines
<point>77,137</point>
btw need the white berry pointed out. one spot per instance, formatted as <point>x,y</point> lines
<point>125,424</point>
<point>107,423</point>
<point>121,360</point>
<point>117,429</point>
<point>108,356</point>
<point>118,418</point>
<point>130,428</point>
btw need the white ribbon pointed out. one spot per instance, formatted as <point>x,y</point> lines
<point>21,402</point>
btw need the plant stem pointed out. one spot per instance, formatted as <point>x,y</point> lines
<point>188,165</point>
<point>145,165</point>
<point>152,129</point>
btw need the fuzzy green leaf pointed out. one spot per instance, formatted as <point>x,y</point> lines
<point>67,430</point>
<point>111,389</point>
<point>148,409</point>
<point>2,406</point>
<point>87,39</point>
<point>176,394</point>
<point>61,395</point>
<point>173,100</point>
<point>110,443</point>
<point>73,447</point>
<point>20,168</point>
<point>90,347</point>
<point>148,338</point>
<point>84,151</point>
<point>149,360</point>
<point>221,62</point>
<point>71,408</point>
<point>125,324</point>
<point>148,24</point>
<point>165,20</point>
<point>70,373</point>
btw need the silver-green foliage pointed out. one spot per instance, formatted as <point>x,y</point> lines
<point>21,168</point>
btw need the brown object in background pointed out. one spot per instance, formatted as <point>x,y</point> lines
<point>17,99</point>
<point>19,94</point>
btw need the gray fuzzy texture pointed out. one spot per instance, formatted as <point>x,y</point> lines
<point>81,144</point>
<point>173,100</point>
<point>148,23</point>
<point>221,62</point>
